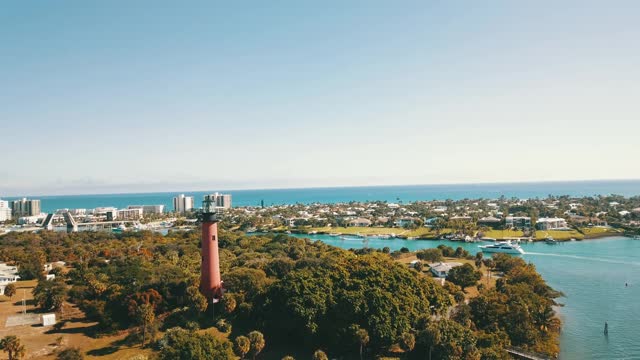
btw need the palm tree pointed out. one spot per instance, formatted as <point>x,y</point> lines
<point>242,345</point>
<point>431,337</point>
<point>362,337</point>
<point>408,342</point>
<point>320,355</point>
<point>545,319</point>
<point>146,317</point>
<point>11,345</point>
<point>257,342</point>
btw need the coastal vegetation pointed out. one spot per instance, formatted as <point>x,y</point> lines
<point>578,233</point>
<point>285,296</point>
<point>586,218</point>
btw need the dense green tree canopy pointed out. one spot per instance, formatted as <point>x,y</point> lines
<point>294,291</point>
<point>520,306</point>
<point>430,255</point>
<point>181,344</point>
<point>464,276</point>
<point>446,339</point>
<point>50,294</point>
<point>372,291</point>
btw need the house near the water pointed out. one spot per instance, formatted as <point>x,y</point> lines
<point>441,270</point>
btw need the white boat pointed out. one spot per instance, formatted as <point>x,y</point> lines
<point>139,226</point>
<point>379,236</point>
<point>505,247</point>
<point>469,239</point>
<point>551,241</point>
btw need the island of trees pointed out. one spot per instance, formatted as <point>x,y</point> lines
<point>285,298</point>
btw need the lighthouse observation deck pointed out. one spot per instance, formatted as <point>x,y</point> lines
<point>210,210</point>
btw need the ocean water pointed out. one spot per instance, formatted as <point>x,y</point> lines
<point>591,274</point>
<point>405,193</point>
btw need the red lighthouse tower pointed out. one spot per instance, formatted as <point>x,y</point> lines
<point>210,282</point>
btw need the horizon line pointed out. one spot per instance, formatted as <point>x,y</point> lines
<point>340,187</point>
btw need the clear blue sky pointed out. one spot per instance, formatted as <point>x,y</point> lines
<point>119,96</point>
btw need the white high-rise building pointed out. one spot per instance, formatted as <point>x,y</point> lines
<point>5,211</point>
<point>25,207</point>
<point>182,204</point>
<point>221,200</point>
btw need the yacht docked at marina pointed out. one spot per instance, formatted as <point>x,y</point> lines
<point>505,247</point>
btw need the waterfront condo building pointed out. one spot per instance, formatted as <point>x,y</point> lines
<point>5,211</point>
<point>25,207</point>
<point>518,222</point>
<point>130,214</point>
<point>78,212</point>
<point>182,204</point>
<point>221,200</point>
<point>551,224</point>
<point>148,209</point>
<point>103,210</point>
<point>124,214</point>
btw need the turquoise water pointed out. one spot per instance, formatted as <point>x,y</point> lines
<point>592,275</point>
<point>346,194</point>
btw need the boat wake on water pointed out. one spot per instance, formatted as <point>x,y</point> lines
<point>633,263</point>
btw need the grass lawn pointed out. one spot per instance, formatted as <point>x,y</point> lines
<point>375,231</point>
<point>599,231</point>
<point>501,234</point>
<point>423,232</point>
<point>419,232</point>
<point>559,234</point>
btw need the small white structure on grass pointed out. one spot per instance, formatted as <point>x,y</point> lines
<point>441,270</point>
<point>48,319</point>
<point>8,275</point>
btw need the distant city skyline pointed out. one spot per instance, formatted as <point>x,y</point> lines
<point>121,97</point>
